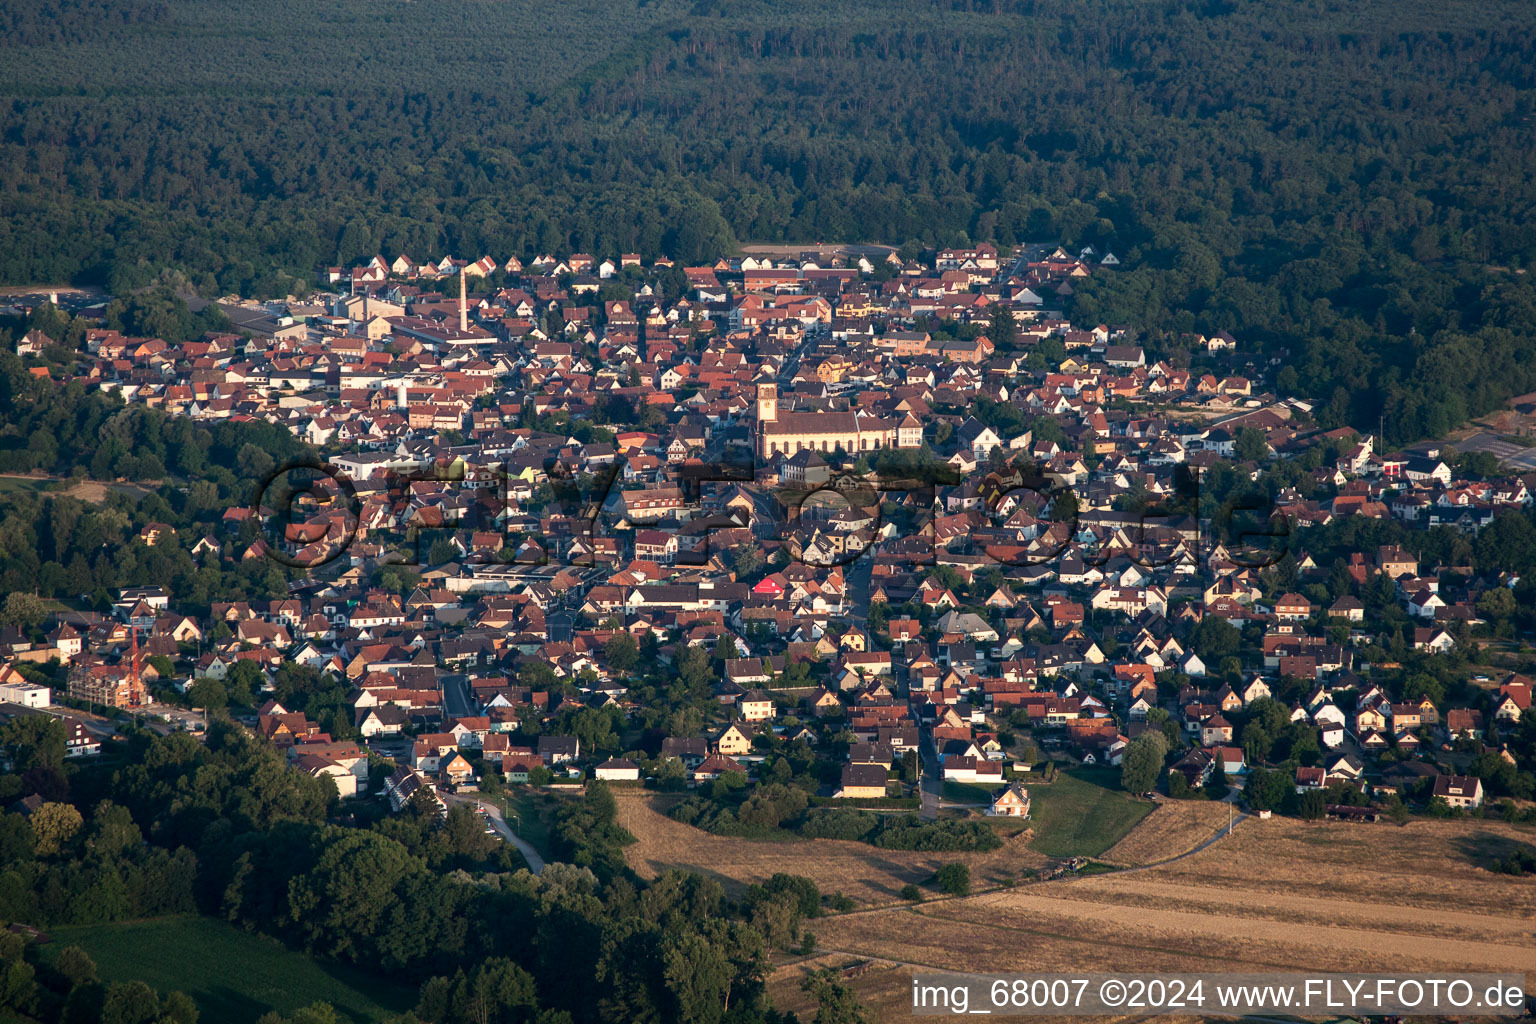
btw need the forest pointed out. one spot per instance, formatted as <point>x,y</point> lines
<point>1347,187</point>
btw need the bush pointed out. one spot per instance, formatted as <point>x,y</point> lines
<point>954,879</point>
<point>839,903</point>
<point>835,823</point>
<point>911,893</point>
<point>907,832</point>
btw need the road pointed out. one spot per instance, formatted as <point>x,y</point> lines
<point>499,823</point>
<point>458,701</point>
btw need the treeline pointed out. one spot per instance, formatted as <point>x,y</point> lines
<point>765,809</point>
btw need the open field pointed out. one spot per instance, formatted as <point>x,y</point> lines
<point>234,976</point>
<point>1173,827</point>
<point>862,872</point>
<point>1083,813</point>
<point>1279,895</point>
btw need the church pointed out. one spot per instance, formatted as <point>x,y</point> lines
<point>785,433</point>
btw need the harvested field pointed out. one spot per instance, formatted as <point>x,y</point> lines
<point>1281,895</point>
<point>1175,827</point>
<point>862,872</point>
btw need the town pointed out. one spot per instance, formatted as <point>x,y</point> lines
<point>841,528</point>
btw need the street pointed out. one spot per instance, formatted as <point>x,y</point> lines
<point>458,699</point>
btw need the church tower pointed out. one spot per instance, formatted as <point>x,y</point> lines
<point>767,403</point>
<point>767,412</point>
<point>463,301</point>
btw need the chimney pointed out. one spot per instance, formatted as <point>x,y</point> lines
<point>400,396</point>
<point>463,301</point>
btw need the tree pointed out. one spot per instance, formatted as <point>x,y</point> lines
<point>1250,445</point>
<point>1142,762</point>
<point>23,610</point>
<point>835,1001</point>
<point>75,965</point>
<point>1002,328</point>
<point>693,668</point>
<point>1216,638</point>
<point>208,694</point>
<point>130,1002</point>
<point>622,652</point>
<point>954,879</point>
<point>1267,790</point>
<point>1312,805</point>
<point>1497,604</point>
<point>33,742</point>
<point>698,976</point>
<point>53,825</point>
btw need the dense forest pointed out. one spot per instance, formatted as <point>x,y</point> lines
<point>1347,185</point>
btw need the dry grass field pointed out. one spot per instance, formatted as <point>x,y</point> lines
<point>1175,827</point>
<point>862,872</point>
<point>1279,895</point>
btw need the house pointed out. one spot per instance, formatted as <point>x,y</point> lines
<point>691,750</point>
<point>559,749</point>
<point>735,740</point>
<point>755,706</point>
<point>1347,608</point>
<point>618,769</point>
<point>1462,792</point>
<point>325,768</point>
<point>1293,608</point>
<point>714,766</point>
<point>1197,767</point>
<point>454,770</point>
<point>862,781</point>
<point>1512,701</point>
<point>1310,778</point>
<point>1011,801</point>
<point>1215,731</point>
<point>1464,723</point>
<point>972,769</point>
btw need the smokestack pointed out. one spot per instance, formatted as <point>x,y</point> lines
<point>400,396</point>
<point>463,301</point>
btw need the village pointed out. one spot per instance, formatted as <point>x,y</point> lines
<point>888,530</point>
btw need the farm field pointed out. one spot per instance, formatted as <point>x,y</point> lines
<point>1279,895</point>
<point>1083,813</point>
<point>234,976</point>
<point>862,872</point>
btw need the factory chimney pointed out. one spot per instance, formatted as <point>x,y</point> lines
<point>463,302</point>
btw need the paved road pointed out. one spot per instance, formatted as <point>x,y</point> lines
<point>458,702</point>
<point>535,862</point>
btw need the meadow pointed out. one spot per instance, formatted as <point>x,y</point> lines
<point>234,976</point>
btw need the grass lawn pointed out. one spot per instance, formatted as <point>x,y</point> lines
<point>531,823</point>
<point>18,485</point>
<point>969,792</point>
<point>234,976</point>
<point>1083,813</point>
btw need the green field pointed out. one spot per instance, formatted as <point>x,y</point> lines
<point>530,823</point>
<point>969,792</point>
<point>234,976</point>
<point>1083,813</point>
